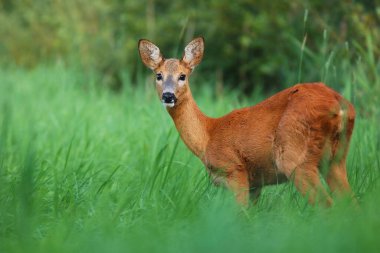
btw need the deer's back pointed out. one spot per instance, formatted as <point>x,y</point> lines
<point>245,137</point>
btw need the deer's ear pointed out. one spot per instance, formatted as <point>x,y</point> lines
<point>150,54</point>
<point>193,53</point>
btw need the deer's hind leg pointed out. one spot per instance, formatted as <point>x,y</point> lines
<point>297,153</point>
<point>337,179</point>
<point>337,175</point>
<point>307,179</point>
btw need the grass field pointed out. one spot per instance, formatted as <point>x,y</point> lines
<point>83,169</point>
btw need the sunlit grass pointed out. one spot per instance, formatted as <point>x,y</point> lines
<point>83,169</point>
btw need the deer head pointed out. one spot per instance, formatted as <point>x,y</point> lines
<point>172,75</point>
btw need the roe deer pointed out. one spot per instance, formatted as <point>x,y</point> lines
<point>285,137</point>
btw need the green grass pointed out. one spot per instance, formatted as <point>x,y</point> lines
<point>85,170</point>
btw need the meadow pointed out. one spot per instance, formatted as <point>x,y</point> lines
<point>85,169</point>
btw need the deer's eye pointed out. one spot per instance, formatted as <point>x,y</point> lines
<point>182,77</point>
<point>159,77</point>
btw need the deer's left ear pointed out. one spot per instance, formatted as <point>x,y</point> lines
<point>150,54</point>
<point>193,53</point>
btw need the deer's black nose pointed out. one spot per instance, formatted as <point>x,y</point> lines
<point>168,97</point>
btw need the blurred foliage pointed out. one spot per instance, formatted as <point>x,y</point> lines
<point>247,42</point>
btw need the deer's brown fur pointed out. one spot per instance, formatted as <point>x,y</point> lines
<point>284,137</point>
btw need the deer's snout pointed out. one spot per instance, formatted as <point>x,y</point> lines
<point>168,98</point>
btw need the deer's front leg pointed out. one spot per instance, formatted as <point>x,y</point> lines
<point>237,181</point>
<point>227,170</point>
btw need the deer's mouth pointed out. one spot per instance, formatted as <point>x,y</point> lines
<point>168,99</point>
<point>168,105</point>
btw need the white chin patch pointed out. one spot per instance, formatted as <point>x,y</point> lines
<point>166,105</point>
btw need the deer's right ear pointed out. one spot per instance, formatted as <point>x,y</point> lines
<point>150,54</point>
<point>194,52</point>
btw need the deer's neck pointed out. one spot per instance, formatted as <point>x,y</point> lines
<point>192,125</point>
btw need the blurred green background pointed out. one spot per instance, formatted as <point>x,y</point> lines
<point>247,42</point>
<point>91,162</point>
